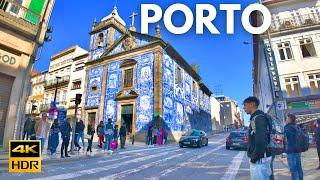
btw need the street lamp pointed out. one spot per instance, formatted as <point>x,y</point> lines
<point>55,93</point>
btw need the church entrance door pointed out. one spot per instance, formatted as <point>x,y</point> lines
<point>127,117</point>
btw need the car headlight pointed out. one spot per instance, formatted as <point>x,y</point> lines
<point>195,139</point>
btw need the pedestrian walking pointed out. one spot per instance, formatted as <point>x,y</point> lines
<point>293,157</point>
<point>164,136</point>
<point>65,135</point>
<point>27,129</point>
<point>259,158</point>
<point>33,130</point>
<point>123,135</point>
<point>90,134</point>
<point>160,136</point>
<point>54,136</point>
<point>108,134</point>
<point>42,127</point>
<point>155,135</point>
<point>317,138</point>
<point>80,130</point>
<point>150,136</point>
<point>100,133</point>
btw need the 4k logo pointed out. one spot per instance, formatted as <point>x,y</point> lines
<point>24,156</point>
<point>24,149</point>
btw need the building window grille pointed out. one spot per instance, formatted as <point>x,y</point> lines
<point>307,48</point>
<point>292,86</point>
<point>128,78</point>
<point>285,51</point>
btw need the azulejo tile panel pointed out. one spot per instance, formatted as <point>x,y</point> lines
<point>94,86</point>
<point>181,110</point>
<point>143,85</point>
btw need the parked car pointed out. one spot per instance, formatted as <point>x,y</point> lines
<point>237,139</point>
<point>194,138</point>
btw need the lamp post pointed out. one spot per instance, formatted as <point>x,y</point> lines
<point>55,93</point>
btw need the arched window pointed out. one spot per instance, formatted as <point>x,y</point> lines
<point>100,40</point>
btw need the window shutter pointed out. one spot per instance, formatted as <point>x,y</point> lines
<point>35,9</point>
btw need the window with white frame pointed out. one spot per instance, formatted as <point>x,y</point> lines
<point>285,51</point>
<point>314,82</point>
<point>292,86</point>
<point>307,48</point>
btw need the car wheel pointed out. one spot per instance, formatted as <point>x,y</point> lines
<point>227,147</point>
<point>206,143</point>
<point>180,146</point>
<point>200,144</point>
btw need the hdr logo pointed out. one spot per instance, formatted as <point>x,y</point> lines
<point>24,156</point>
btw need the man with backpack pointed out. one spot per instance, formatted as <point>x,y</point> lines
<point>260,158</point>
<point>317,138</point>
<point>292,148</point>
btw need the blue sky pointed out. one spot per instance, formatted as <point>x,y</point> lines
<point>224,59</point>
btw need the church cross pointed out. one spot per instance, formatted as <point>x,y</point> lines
<point>132,18</point>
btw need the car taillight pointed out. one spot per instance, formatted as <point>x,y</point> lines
<point>228,138</point>
<point>244,138</point>
<point>278,140</point>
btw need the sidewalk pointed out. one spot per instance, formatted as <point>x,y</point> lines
<point>96,152</point>
<point>310,162</point>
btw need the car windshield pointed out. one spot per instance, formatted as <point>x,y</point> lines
<point>194,133</point>
<point>237,134</point>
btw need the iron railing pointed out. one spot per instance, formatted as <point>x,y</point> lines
<point>294,22</point>
<point>52,83</point>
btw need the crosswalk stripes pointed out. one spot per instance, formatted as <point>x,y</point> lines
<point>178,166</point>
<point>106,168</point>
<point>234,167</point>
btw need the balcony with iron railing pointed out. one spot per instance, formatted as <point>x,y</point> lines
<point>295,22</point>
<point>53,83</point>
<point>18,17</point>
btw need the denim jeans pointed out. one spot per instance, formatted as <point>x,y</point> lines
<point>42,141</point>
<point>261,169</point>
<point>294,163</point>
<point>81,135</point>
<point>108,141</point>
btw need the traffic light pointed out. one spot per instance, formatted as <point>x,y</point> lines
<point>78,98</point>
<point>48,36</point>
<point>34,107</point>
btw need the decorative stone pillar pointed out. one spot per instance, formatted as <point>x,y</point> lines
<point>103,91</point>
<point>158,55</point>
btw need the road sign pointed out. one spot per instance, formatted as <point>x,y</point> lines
<point>281,105</point>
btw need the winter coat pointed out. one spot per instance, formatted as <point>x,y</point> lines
<point>66,130</point>
<point>38,127</point>
<point>258,138</point>
<point>79,127</point>
<point>100,130</point>
<point>290,131</point>
<point>109,129</point>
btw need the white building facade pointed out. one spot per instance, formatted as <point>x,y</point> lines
<point>65,74</point>
<point>295,42</point>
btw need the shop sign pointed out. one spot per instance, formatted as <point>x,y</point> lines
<point>8,59</point>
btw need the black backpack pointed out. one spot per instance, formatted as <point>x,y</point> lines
<point>302,140</point>
<point>275,139</point>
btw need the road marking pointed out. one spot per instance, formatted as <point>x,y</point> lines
<point>149,149</point>
<point>234,167</point>
<point>126,173</point>
<point>178,166</point>
<point>105,168</point>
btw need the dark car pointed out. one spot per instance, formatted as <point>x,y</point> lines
<point>237,139</point>
<point>194,138</point>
